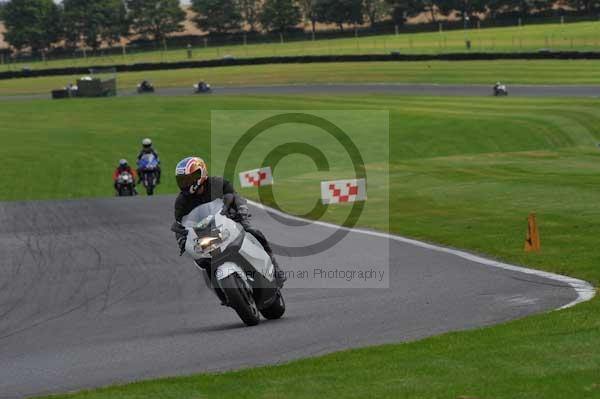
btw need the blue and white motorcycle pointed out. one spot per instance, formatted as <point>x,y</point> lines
<point>240,273</point>
<point>148,167</point>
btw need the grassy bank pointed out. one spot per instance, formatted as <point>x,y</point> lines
<point>467,72</point>
<point>575,36</point>
<point>463,172</point>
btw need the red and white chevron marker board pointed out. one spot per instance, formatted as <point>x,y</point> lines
<point>256,178</point>
<point>342,191</point>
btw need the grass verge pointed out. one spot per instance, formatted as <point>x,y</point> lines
<point>463,172</point>
<point>568,37</point>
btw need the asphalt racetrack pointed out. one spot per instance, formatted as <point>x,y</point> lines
<point>383,88</point>
<point>93,292</point>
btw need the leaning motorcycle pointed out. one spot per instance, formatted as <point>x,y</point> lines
<point>202,87</point>
<point>240,273</point>
<point>125,185</point>
<point>145,87</point>
<point>148,165</point>
<point>500,90</point>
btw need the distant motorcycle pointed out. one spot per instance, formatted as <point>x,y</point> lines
<point>240,273</point>
<point>125,185</point>
<point>500,90</point>
<point>72,89</point>
<point>69,91</point>
<point>202,87</point>
<point>145,87</point>
<point>147,166</point>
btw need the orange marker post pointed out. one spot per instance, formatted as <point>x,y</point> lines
<point>532,242</point>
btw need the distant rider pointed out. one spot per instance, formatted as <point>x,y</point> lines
<point>198,188</point>
<point>145,85</point>
<point>202,86</point>
<point>147,148</point>
<point>122,168</point>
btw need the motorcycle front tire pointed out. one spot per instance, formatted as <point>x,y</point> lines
<point>240,299</point>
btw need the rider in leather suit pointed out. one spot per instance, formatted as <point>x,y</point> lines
<point>198,188</point>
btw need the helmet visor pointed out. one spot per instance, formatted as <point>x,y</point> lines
<point>186,181</point>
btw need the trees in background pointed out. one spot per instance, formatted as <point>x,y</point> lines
<point>375,10</point>
<point>155,19</point>
<point>250,11</point>
<point>94,22</point>
<point>280,15</point>
<point>584,5</point>
<point>118,22</point>
<point>465,8</point>
<point>340,12</point>
<point>400,10</point>
<point>39,24</point>
<point>217,15</point>
<point>308,11</point>
<point>36,24</point>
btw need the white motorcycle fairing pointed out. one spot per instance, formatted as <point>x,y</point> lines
<point>208,218</point>
<point>234,264</point>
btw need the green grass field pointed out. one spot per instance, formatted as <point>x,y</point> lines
<point>468,72</point>
<point>464,172</point>
<point>574,36</point>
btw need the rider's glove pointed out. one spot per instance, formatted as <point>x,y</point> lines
<point>235,207</point>
<point>180,235</point>
<point>243,211</point>
<point>228,206</point>
<point>181,240</point>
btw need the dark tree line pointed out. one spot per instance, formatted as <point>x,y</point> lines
<point>40,24</point>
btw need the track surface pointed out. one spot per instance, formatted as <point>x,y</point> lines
<point>92,293</point>
<point>408,89</point>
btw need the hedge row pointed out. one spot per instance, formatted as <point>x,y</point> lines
<point>541,55</point>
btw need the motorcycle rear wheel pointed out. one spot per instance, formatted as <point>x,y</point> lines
<point>276,310</point>
<point>240,299</point>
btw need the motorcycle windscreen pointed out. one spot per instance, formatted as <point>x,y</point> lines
<point>148,161</point>
<point>201,212</point>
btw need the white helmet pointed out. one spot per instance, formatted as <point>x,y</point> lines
<point>147,142</point>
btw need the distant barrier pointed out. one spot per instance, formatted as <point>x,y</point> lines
<point>307,59</point>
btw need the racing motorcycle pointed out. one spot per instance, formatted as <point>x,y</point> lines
<point>125,185</point>
<point>147,166</point>
<point>240,272</point>
<point>500,90</point>
<point>145,87</point>
<point>202,87</point>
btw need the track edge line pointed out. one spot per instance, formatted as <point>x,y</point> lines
<point>585,291</point>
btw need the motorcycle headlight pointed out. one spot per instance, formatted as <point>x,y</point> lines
<point>212,242</point>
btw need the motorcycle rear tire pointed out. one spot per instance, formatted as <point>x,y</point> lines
<point>240,299</point>
<point>276,310</point>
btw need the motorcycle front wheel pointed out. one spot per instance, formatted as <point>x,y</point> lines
<point>239,297</point>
